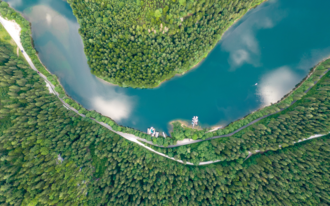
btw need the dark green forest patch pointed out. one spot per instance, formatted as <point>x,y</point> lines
<point>139,43</point>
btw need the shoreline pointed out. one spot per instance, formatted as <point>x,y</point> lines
<point>185,123</point>
<point>131,137</point>
<point>102,80</point>
<point>190,67</point>
<point>43,64</point>
<point>186,71</point>
<point>183,73</point>
<point>127,136</point>
<point>204,57</point>
<point>289,94</point>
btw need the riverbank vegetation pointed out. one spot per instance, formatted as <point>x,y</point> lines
<point>52,156</point>
<point>101,168</point>
<point>308,116</point>
<point>137,43</point>
<point>178,133</point>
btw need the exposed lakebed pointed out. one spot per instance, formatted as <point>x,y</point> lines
<point>274,45</point>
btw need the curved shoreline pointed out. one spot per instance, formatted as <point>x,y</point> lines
<point>79,107</point>
<point>191,141</point>
<point>16,36</point>
<point>181,71</point>
<point>127,130</point>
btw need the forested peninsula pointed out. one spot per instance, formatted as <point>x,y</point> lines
<point>140,43</point>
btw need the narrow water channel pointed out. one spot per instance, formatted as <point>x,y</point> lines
<point>261,58</point>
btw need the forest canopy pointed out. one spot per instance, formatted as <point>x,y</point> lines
<point>140,43</point>
<point>52,156</point>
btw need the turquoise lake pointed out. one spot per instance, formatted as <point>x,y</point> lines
<point>273,45</point>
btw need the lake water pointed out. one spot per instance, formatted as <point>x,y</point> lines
<point>274,45</point>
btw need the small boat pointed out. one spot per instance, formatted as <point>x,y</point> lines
<point>164,135</point>
<point>256,84</point>
<point>156,134</point>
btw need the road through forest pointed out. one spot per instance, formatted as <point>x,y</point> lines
<point>14,31</point>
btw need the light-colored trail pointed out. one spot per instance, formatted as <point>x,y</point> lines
<point>311,137</point>
<point>14,31</point>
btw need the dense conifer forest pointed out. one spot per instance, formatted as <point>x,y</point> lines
<point>52,156</point>
<point>49,155</point>
<point>140,43</point>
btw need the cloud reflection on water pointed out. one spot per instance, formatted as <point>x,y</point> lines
<point>56,37</point>
<point>260,40</point>
<point>51,20</point>
<point>241,41</point>
<point>315,55</point>
<point>117,108</point>
<point>245,48</point>
<point>276,84</point>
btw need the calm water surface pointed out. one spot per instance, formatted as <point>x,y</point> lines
<point>274,45</point>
